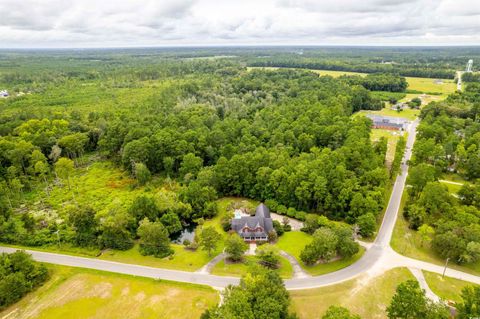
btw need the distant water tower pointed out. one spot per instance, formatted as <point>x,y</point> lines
<point>469,66</point>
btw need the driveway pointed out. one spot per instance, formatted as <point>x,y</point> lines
<point>377,259</point>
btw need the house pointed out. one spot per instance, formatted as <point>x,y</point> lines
<point>4,93</point>
<point>254,228</point>
<point>388,122</point>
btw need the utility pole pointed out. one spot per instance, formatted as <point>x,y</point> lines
<point>445,269</point>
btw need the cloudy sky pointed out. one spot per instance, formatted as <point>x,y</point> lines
<point>112,23</point>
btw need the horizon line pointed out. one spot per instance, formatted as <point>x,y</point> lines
<point>168,46</point>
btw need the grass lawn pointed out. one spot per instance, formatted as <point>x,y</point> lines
<point>408,242</point>
<point>82,293</point>
<point>446,288</point>
<point>368,298</point>
<point>452,182</point>
<point>293,243</point>
<point>182,259</point>
<point>239,269</point>
<point>452,188</point>
<point>392,138</point>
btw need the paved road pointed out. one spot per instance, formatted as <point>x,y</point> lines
<point>378,258</point>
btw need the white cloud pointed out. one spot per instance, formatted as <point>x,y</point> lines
<point>98,23</point>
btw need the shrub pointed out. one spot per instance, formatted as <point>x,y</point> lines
<point>268,256</point>
<point>291,212</point>
<point>367,224</point>
<point>281,209</point>
<point>278,227</point>
<point>272,204</point>
<point>19,275</point>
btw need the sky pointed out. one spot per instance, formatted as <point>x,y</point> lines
<point>135,23</point>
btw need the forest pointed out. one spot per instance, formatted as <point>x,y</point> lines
<point>207,128</point>
<point>188,130</point>
<point>448,144</point>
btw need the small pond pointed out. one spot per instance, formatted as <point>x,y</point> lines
<point>188,232</point>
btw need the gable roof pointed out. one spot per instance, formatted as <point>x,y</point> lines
<point>261,218</point>
<point>262,211</point>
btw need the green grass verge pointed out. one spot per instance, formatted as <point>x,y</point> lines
<point>239,269</point>
<point>446,288</point>
<point>182,259</point>
<point>366,297</point>
<point>83,293</point>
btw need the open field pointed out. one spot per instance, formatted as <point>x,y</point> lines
<point>81,293</point>
<point>239,269</point>
<point>293,243</point>
<point>367,297</point>
<point>425,85</point>
<point>446,288</point>
<point>408,242</point>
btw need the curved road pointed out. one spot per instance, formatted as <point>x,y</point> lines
<point>379,257</point>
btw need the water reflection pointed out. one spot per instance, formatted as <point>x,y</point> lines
<point>186,233</point>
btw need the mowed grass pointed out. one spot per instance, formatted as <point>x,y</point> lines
<point>427,85</point>
<point>293,243</point>
<point>454,182</point>
<point>452,188</point>
<point>80,293</point>
<point>392,138</point>
<point>408,242</point>
<point>446,288</point>
<point>368,297</point>
<point>285,269</point>
<point>182,259</point>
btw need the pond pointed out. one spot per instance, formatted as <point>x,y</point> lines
<point>188,232</point>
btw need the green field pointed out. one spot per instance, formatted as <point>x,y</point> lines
<point>366,297</point>
<point>239,269</point>
<point>427,85</point>
<point>81,293</point>
<point>446,288</point>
